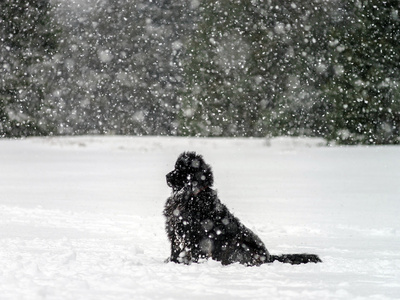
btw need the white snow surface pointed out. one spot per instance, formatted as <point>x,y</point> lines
<point>81,218</point>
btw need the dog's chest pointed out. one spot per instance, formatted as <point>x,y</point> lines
<point>177,213</point>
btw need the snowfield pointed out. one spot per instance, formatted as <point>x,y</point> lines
<point>81,218</point>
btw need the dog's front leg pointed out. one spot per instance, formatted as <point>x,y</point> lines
<point>180,252</point>
<point>175,250</point>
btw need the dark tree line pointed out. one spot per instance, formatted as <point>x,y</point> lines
<point>28,40</point>
<point>202,68</point>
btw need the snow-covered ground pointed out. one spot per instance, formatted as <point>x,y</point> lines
<point>80,218</point>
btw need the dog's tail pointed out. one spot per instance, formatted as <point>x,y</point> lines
<point>296,259</point>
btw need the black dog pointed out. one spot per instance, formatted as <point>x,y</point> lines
<point>199,226</point>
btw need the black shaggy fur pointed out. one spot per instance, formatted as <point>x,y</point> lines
<point>199,226</point>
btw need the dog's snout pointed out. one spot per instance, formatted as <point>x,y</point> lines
<point>169,178</point>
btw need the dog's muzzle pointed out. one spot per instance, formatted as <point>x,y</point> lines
<point>170,178</point>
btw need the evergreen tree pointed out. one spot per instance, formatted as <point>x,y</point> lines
<point>300,109</point>
<point>363,96</point>
<point>255,68</point>
<point>28,41</point>
<point>122,67</point>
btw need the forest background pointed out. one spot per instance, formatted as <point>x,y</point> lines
<point>239,68</point>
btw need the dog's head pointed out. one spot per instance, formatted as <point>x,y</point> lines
<point>190,171</point>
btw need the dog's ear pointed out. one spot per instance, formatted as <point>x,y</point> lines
<point>207,177</point>
<point>203,176</point>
